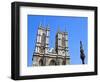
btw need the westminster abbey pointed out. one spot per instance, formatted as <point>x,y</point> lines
<point>43,55</point>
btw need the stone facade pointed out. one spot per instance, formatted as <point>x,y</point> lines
<point>43,56</point>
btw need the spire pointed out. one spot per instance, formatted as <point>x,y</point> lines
<point>66,29</point>
<point>48,27</point>
<point>44,21</point>
<point>40,25</point>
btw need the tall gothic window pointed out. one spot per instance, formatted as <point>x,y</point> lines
<point>63,42</point>
<point>43,40</point>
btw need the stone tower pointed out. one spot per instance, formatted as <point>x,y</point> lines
<point>42,44</point>
<point>43,55</point>
<point>62,46</point>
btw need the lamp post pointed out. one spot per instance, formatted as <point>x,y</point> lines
<point>82,55</point>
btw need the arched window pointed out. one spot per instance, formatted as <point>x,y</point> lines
<point>52,62</point>
<point>64,61</point>
<point>41,62</point>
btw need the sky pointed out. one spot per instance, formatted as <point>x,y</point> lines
<point>77,28</point>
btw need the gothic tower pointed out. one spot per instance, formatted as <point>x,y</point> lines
<point>62,46</point>
<point>43,56</point>
<point>42,44</point>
